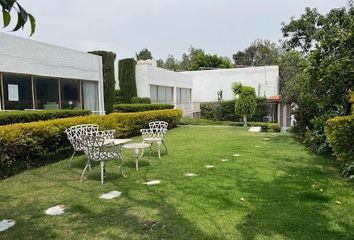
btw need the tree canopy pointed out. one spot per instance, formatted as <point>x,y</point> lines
<point>23,16</point>
<point>144,54</point>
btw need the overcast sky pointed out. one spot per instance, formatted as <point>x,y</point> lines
<point>164,26</point>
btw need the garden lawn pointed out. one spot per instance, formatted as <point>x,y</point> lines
<point>275,189</point>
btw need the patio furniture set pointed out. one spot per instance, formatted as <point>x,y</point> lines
<point>101,146</point>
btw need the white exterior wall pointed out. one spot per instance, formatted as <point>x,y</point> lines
<point>207,83</point>
<point>25,56</point>
<point>147,74</point>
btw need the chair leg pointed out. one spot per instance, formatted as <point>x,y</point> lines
<point>72,156</point>
<point>83,172</point>
<point>121,165</point>
<point>163,142</point>
<point>102,172</point>
<point>159,149</point>
<point>150,151</point>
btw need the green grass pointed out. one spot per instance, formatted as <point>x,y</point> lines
<point>288,193</point>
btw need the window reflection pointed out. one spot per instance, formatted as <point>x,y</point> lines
<point>47,93</point>
<point>17,92</point>
<point>70,94</point>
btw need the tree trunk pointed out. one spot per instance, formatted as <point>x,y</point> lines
<point>244,120</point>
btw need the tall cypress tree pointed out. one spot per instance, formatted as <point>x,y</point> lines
<point>127,82</point>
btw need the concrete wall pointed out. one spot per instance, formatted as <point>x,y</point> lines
<point>207,83</point>
<point>147,74</point>
<point>21,55</point>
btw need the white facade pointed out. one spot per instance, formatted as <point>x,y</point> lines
<point>37,59</point>
<point>205,84</point>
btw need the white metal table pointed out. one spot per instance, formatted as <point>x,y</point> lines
<point>138,149</point>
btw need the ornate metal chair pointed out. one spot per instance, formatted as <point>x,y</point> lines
<point>75,134</point>
<point>97,148</point>
<point>155,133</point>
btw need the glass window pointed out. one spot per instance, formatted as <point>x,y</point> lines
<point>90,95</point>
<point>17,92</point>
<point>70,94</point>
<point>153,93</point>
<point>47,93</point>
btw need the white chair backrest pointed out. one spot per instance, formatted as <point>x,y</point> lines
<point>75,133</point>
<point>94,145</point>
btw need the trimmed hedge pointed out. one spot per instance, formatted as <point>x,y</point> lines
<point>127,82</point>
<point>109,80</point>
<point>340,136</point>
<point>140,107</point>
<point>33,116</point>
<point>225,110</point>
<point>141,100</point>
<point>28,145</point>
<point>266,127</point>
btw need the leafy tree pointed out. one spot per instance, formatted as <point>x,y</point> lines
<point>127,81</point>
<point>171,63</point>
<point>160,63</point>
<point>324,85</point>
<point>291,64</point>
<point>259,53</point>
<point>22,15</point>
<point>246,101</point>
<point>202,60</point>
<point>144,54</point>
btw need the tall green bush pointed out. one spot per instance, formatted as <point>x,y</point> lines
<point>127,82</point>
<point>109,81</point>
<point>246,103</point>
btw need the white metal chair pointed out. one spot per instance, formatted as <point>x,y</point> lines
<point>155,133</point>
<point>75,133</point>
<point>97,148</point>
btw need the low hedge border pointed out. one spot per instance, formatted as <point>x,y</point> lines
<point>33,116</point>
<point>28,145</point>
<point>266,127</point>
<point>141,107</point>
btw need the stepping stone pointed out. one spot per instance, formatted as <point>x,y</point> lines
<point>236,155</point>
<point>209,166</point>
<point>6,224</point>
<point>110,195</point>
<point>190,174</point>
<point>152,182</point>
<point>225,160</point>
<point>56,210</point>
<point>266,139</point>
<point>255,129</point>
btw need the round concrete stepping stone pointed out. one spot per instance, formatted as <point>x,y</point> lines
<point>266,139</point>
<point>6,224</point>
<point>236,155</point>
<point>152,182</point>
<point>209,166</point>
<point>225,160</point>
<point>190,174</point>
<point>110,195</point>
<point>56,210</point>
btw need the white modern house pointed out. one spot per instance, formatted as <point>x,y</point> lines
<point>36,75</point>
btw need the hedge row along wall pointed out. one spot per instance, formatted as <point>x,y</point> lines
<point>33,116</point>
<point>127,82</point>
<point>225,110</point>
<point>109,81</point>
<point>29,145</point>
<point>140,107</point>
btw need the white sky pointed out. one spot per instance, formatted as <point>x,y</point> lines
<point>163,26</point>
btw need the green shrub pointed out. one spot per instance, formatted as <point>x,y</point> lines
<point>127,82</point>
<point>140,107</point>
<point>340,136</point>
<point>108,59</point>
<point>33,116</point>
<point>141,100</point>
<point>28,145</point>
<point>225,110</point>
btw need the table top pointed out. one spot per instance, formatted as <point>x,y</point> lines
<point>116,141</point>
<point>152,139</point>
<point>136,145</point>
